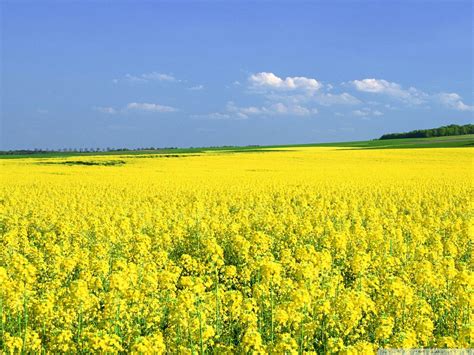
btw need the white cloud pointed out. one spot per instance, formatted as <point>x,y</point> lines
<point>135,106</point>
<point>328,99</point>
<point>411,96</point>
<point>375,85</point>
<point>266,80</point>
<point>321,98</point>
<point>278,108</point>
<point>297,110</point>
<point>158,76</point>
<point>233,111</point>
<point>212,116</point>
<point>453,101</point>
<point>134,78</point>
<point>148,107</point>
<point>196,88</point>
<point>107,110</point>
<point>146,77</point>
<point>367,112</point>
<point>236,112</point>
<point>297,91</point>
<point>380,86</point>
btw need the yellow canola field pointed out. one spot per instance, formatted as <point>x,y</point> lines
<point>307,250</point>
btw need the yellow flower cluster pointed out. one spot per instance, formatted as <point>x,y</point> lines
<point>291,251</point>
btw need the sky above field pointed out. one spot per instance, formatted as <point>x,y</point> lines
<point>163,74</point>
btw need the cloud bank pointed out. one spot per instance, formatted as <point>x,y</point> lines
<point>302,96</point>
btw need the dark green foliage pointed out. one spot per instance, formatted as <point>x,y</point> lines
<point>450,130</point>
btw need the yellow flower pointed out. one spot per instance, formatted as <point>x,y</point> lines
<point>313,250</point>
<point>384,329</point>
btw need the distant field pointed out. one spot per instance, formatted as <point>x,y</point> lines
<point>435,142</point>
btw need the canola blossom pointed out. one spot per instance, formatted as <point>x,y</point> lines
<point>304,250</point>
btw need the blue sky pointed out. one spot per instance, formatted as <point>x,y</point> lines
<point>139,74</point>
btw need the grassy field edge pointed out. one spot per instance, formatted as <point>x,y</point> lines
<point>404,143</point>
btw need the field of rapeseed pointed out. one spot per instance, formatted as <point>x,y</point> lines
<point>312,250</point>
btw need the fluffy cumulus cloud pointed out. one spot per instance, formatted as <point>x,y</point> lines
<point>380,86</point>
<point>299,92</point>
<point>147,107</point>
<point>376,85</point>
<point>293,95</point>
<point>453,101</point>
<point>266,80</point>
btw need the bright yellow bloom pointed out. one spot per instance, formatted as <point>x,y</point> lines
<point>313,250</point>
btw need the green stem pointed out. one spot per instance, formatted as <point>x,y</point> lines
<point>79,331</point>
<point>201,345</point>
<point>44,337</point>
<point>301,337</point>
<point>1,318</point>
<point>190,334</point>
<point>117,318</point>
<point>178,338</point>
<point>25,321</point>
<point>271,313</point>
<point>302,331</point>
<point>217,302</point>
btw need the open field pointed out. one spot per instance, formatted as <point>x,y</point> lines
<point>435,142</point>
<point>302,249</point>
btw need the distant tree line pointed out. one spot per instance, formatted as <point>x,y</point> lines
<point>97,150</point>
<point>75,150</point>
<point>450,130</point>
